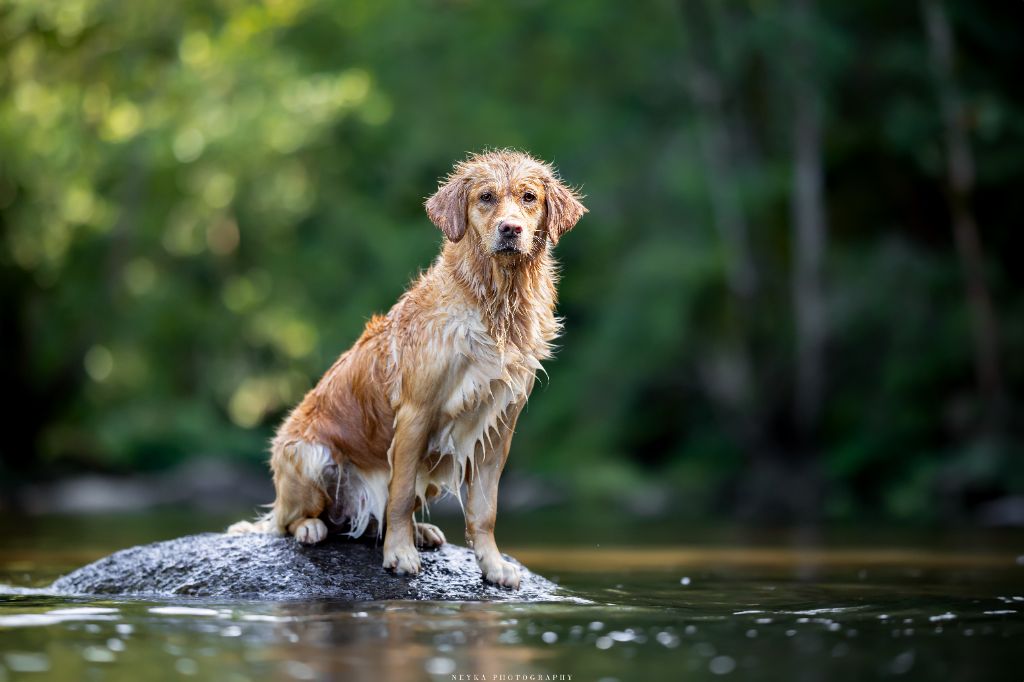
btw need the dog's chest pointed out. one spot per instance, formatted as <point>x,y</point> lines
<point>484,380</point>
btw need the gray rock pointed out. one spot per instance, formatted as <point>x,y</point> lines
<point>267,567</point>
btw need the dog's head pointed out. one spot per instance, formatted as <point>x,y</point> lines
<point>508,203</point>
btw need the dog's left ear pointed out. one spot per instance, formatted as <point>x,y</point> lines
<point>563,209</point>
<point>447,208</point>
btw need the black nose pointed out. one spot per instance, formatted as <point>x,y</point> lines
<point>509,229</point>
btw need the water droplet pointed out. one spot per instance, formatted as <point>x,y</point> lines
<point>509,637</point>
<point>439,665</point>
<point>596,626</point>
<point>722,665</point>
<point>299,670</point>
<point>25,662</point>
<point>704,649</point>
<point>902,663</point>
<point>98,654</point>
<point>603,642</point>
<point>667,639</point>
<point>186,666</point>
<point>685,580</point>
<point>549,637</point>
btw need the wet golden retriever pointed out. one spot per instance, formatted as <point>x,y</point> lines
<point>428,397</point>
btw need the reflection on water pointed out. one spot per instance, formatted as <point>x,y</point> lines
<point>657,613</point>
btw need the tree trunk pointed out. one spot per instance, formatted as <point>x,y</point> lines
<point>960,176</point>
<point>704,83</point>
<point>809,232</point>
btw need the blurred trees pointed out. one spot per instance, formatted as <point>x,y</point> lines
<point>960,173</point>
<point>202,202</point>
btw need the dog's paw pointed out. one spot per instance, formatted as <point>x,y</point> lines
<point>403,560</point>
<point>500,572</point>
<point>309,531</point>
<point>241,527</point>
<point>261,526</point>
<point>428,535</point>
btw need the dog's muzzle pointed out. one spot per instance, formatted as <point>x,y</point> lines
<point>508,237</point>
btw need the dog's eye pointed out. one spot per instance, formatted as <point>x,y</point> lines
<point>487,197</point>
<point>529,197</point>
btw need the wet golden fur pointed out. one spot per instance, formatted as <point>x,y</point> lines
<point>429,395</point>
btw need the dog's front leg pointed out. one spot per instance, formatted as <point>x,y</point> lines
<point>409,443</point>
<point>482,510</point>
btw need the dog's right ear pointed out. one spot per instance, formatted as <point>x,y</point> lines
<point>447,208</point>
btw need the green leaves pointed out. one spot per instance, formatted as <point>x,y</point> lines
<point>202,202</point>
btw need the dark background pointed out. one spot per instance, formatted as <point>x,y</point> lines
<point>793,297</point>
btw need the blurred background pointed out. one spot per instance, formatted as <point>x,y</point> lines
<point>793,298</point>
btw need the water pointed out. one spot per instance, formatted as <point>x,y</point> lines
<point>663,602</point>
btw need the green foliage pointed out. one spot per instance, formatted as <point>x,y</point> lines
<point>202,202</point>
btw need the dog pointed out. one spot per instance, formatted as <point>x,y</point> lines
<point>428,397</point>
